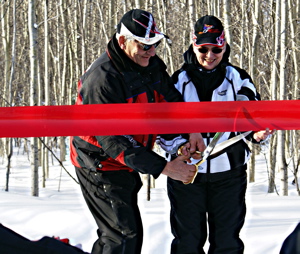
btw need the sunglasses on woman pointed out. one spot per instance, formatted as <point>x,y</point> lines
<point>146,47</point>
<point>214,50</point>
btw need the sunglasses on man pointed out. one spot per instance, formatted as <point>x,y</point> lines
<point>146,47</point>
<point>204,50</point>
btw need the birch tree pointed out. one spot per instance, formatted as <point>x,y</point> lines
<point>242,40</point>
<point>83,33</point>
<point>272,154</point>
<point>45,157</point>
<point>253,72</point>
<point>276,46</point>
<point>8,141</point>
<point>294,40</point>
<point>253,50</point>
<point>192,15</point>
<point>32,28</point>
<point>281,134</point>
<point>227,21</point>
<point>5,34</point>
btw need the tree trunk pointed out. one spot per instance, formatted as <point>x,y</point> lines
<point>32,27</point>
<point>251,164</point>
<point>272,164</point>
<point>192,16</point>
<point>242,43</point>
<point>102,22</point>
<point>281,134</point>
<point>137,4</point>
<point>8,95</point>
<point>8,152</point>
<point>63,87</point>
<point>63,151</point>
<point>75,70</point>
<point>275,43</point>
<point>5,31</point>
<point>227,21</point>
<point>45,162</point>
<point>254,55</point>
<point>295,42</point>
<point>252,70</point>
<point>167,52</point>
<point>276,46</point>
<point>83,32</point>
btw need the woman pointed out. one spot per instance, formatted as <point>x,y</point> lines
<point>217,196</point>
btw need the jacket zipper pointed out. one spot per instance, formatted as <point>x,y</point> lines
<point>208,160</point>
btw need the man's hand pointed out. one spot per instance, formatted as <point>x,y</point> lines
<point>179,170</point>
<point>262,135</point>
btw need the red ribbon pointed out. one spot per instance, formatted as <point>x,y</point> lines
<point>148,118</point>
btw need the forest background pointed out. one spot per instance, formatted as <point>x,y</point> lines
<point>46,45</point>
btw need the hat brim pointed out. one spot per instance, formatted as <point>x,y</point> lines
<point>149,41</point>
<point>208,44</point>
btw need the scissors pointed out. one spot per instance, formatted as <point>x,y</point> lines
<point>213,148</point>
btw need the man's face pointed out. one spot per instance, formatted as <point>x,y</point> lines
<point>134,51</point>
<point>209,56</point>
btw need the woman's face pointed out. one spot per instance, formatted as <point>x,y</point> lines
<point>209,56</point>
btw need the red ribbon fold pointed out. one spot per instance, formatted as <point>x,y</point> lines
<point>148,118</point>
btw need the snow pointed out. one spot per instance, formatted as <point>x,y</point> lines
<point>61,211</point>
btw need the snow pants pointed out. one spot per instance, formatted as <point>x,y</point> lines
<point>216,200</point>
<point>112,199</point>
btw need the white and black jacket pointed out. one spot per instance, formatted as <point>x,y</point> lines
<point>225,83</point>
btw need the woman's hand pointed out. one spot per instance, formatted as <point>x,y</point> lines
<point>262,135</point>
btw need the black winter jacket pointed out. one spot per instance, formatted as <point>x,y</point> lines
<point>114,78</point>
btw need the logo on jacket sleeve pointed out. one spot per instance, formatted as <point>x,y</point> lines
<point>132,140</point>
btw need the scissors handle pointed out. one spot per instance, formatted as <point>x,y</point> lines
<point>196,165</point>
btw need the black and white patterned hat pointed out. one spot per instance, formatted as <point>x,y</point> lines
<point>140,25</point>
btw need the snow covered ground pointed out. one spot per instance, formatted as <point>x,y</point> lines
<point>60,210</point>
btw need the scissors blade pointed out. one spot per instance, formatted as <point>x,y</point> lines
<point>219,147</point>
<point>208,150</point>
<point>210,147</point>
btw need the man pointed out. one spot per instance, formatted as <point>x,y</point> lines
<point>107,166</point>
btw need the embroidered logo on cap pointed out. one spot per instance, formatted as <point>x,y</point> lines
<point>206,28</point>
<point>209,29</point>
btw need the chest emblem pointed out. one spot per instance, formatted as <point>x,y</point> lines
<point>222,93</point>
